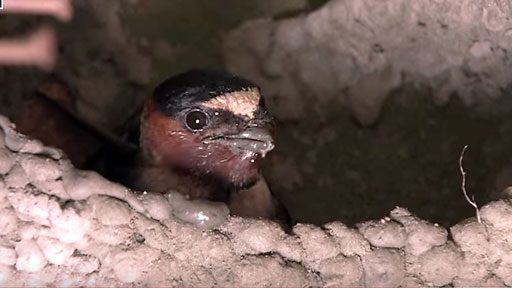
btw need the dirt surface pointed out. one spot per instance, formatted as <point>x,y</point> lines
<point>66,227</point>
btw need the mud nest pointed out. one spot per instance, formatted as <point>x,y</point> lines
<point>67,227</point>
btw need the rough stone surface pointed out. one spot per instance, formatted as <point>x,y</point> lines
<point>102,234</point>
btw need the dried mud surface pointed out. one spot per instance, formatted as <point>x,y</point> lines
<point>67,227</point>
<point>421,79</point>
<point>358,52</point>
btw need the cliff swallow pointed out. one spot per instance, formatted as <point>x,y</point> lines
<point>204,134</point>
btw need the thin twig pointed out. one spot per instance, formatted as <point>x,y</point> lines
<point>471,200</point>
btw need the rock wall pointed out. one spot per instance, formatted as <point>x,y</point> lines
<point>66,227</point>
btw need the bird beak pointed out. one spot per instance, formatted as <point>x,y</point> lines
<point>253,139</point>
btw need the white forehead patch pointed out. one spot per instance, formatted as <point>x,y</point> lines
<point>242,103</point>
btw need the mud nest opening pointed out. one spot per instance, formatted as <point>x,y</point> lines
<point>335,169</point>
<point>326,165</point>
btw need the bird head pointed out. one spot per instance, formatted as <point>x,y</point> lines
<point>208,123</point>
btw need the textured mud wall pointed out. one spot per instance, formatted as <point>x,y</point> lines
<point>358,52</point>
<point>67,227</point>
<point>361,59</point>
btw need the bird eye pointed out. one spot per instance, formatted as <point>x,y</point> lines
<point>196,120</point>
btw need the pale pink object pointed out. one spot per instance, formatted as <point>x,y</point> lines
<point>37,49</point>
<point>60,9</point>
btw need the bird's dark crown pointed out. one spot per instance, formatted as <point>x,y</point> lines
<point>196,86</point>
